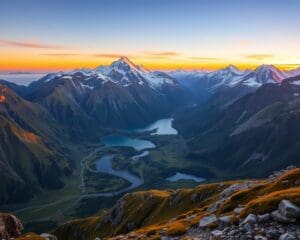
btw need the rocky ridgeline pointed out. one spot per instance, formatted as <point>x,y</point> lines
<point>276,174</point>
<point>11,228</point>
<point>282,224</point>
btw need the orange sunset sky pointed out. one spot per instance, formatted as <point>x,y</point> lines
<point>62,35</point>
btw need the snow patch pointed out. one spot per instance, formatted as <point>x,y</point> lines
<point>297,82</point>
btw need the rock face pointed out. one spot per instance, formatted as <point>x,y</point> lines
<point>236,187</point>
<point>48,236</point>
<point>276,174</point>
<point>115,215</point>
<point>238,210</point>
<point>263,218</point>
<point>287,236</point>
<point>223,211</point>
<point>250,219</point>
<point>206,221</point>
<point>225,220</point>
<point>258,237</point>
<point>279,217</point>
<point>10,226</point>
<point>279,224</point>
<point>289,209</point>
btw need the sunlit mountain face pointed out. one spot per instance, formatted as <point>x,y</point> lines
<point>149,119</point>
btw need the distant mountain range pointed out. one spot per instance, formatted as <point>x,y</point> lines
<point>254,135</point>
<point>232,76</point>
<point>42,122</point>
<point>217,112</point>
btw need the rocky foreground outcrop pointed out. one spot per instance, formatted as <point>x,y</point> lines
<point>11,228</point>
<point>282,224</point>
<point>262,209</point>
<point>257,209</point>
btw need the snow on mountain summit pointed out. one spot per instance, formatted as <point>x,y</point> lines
<point>125,73</point>
<point>122,72</point>
<point>123,64</point>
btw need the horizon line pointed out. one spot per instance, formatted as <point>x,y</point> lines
<point>207,67</point>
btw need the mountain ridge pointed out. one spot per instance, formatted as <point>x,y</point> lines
<point>191,213</point>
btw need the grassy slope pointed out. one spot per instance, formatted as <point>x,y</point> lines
<point>156,211</point>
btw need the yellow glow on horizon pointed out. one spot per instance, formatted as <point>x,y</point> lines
<point>27,61</point>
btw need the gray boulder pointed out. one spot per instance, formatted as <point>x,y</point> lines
<point>214,207</point>
<point>287,236</point>
<point>247,227</point>
<point>217,233</point>
<point>279,217</point>
<point>259,237</point>
<point>238,210</point>
<point>263,218</point>
<point>206,221</point>
<point>250,219</point>
<point>225,220</point>
<point>289,209</point>
<point>48,236</point>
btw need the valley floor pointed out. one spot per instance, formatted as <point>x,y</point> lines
<point>87,192</point>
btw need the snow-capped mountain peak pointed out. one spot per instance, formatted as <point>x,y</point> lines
<point>230,69</point>
<point>123,63</point>
<point>269,72</point>
<point>84,71</point>
<point>234,69</point>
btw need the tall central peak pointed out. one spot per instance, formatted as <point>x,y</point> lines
<point>123,62</point>
<point>233,69</point>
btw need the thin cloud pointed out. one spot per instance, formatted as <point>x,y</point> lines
<point>259,56</point>
<point>115,55</point>
<point>98,55</point>
<point>204,58</point>
<point>60,54</point>
<point>161,54</point>
<point>288,64</point>
<point>107,55</point>
<point>5,42</point>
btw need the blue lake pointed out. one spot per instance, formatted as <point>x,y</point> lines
<point>183,176</point>
<point>103,164</point>
<point>116,140</point>
<point>161,127</point>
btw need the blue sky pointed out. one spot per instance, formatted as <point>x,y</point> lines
<point>215,29</point>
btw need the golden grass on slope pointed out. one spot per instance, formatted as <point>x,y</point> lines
<point>30,236</point>
<point>289,180</point>
<point>270,202</point>
<point>259,199</point>
<point>180,211</point>
<point>177,228</point>
<point>149,210</point>
<point>156,212</point>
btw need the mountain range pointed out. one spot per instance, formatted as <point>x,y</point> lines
<point>231,123</point>
<point>254,135</point>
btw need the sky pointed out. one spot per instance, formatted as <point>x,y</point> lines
<point>52,35</point>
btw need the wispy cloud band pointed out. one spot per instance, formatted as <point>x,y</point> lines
<point>259,56</point>
<point>29,44</point>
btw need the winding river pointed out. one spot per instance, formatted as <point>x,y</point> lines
<point>104,165</point>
